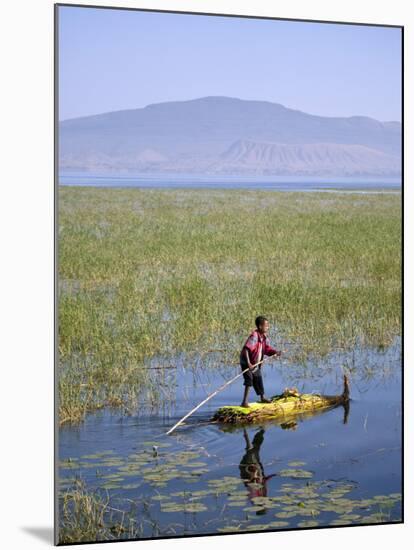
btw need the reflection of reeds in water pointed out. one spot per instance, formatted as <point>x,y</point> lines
<point>144,273</point>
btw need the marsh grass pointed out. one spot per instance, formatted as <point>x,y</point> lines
<point>87,516</point>
<point>144,273</point>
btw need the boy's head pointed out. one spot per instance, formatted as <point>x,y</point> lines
<point>262,324</point>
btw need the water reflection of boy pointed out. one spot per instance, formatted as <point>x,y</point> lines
<point>251,468</point>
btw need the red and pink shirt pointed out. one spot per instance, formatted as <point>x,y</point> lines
<point>258,346</point>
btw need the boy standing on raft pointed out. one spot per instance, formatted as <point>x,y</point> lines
<point>256,347</point>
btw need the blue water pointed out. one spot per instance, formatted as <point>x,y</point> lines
<point>358,451</point>
<point>194,181</point>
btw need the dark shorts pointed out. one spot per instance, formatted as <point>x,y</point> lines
<point>254,379</point>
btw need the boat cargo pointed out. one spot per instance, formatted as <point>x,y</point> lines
<point>282,407</point>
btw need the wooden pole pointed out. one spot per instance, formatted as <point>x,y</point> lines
<point>213,394</point>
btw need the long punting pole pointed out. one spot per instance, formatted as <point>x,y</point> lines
<point>213,394</point>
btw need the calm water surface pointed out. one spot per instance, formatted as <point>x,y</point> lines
<point>269,183</point>
<point>330,469</point>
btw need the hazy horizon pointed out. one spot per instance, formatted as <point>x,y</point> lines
<point>114,60</point>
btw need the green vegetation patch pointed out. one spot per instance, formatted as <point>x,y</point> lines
<point>149,273</point>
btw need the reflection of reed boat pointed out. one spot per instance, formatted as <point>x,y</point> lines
<point>282,407</point>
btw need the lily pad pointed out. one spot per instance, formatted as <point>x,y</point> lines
<point>131,486</point>
<point>69,463</point>
<point>285,515</point>
<point>111,485</point>
<point>351,517</point>
<point>339,522</point>
<point>172,508</point>
<point>262,501</point>
<point>253,509</point>
<point>199,472</point>
<point>107,463</point>
<point>229,529</point>
<point>309,512</point>
<point>201,492</point>
<point>296,473</point>
<point>309,523</point>
<point>277,524</point>
<point>195,507</point>
<point>93,456</point>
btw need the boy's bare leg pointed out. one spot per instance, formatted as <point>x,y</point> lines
<point>246,393</point>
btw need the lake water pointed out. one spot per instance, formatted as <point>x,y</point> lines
<point>335,468</point>
<point>191,181</point>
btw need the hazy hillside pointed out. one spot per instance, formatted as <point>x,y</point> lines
<point>232,136</point>
<point>321,158</point>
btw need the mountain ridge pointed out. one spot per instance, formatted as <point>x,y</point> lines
<point>194,135</point>
<point>231,98</point>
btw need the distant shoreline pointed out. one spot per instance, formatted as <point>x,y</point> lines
<point>217,188</point>
<point>202,181</point>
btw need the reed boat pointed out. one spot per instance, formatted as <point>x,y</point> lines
<point>282,407</point>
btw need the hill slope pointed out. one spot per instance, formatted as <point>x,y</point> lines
<point>227,135</point>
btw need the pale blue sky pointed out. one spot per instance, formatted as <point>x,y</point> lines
<point>115,59</point>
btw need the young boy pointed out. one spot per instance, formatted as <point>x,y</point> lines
<point>256,347</point>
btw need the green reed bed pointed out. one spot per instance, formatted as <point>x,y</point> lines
<point>87,516</point>
<point>144,273</point>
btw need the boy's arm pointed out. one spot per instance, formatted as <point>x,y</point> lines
<point>246,354</point>
<point>269,350</point>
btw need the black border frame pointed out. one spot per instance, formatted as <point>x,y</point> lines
<point>56,255</point>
